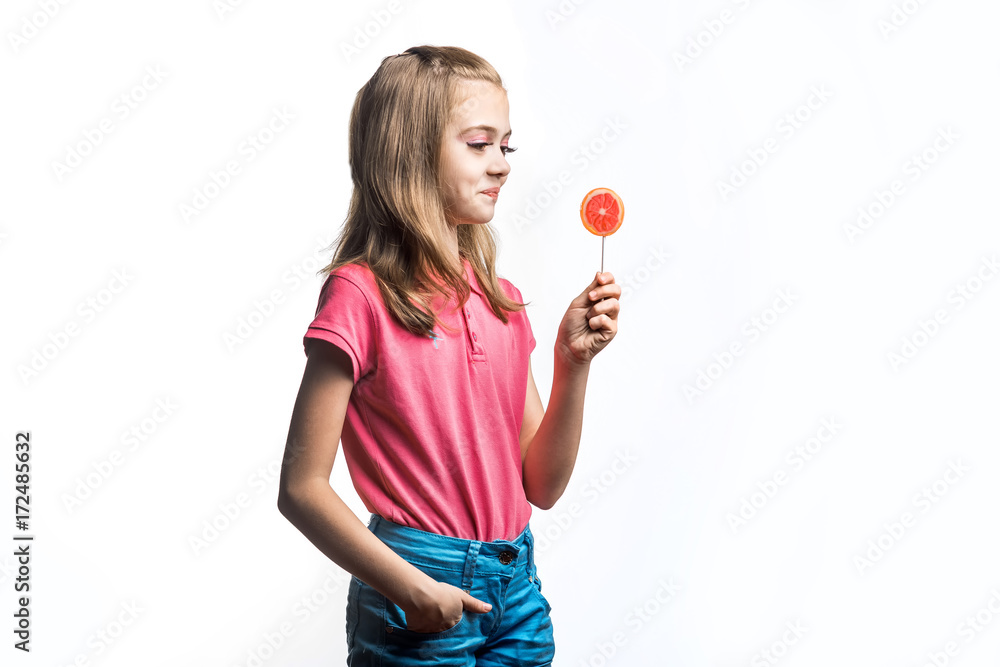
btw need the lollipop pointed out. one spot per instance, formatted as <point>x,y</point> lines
<point>602,213</point>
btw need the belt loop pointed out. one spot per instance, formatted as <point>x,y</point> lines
<point>470,564</point>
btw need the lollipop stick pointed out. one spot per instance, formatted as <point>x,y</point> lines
<point>602,259</point>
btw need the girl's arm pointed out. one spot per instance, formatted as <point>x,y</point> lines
<point>549,455</point>
<point>550,437</point>
<point>307,500</point>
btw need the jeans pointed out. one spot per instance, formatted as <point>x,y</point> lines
<point>516,631</point>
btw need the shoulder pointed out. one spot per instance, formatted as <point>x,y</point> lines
<point>356,276</point>
<point>353,285</point>
<point>510,289</point>
<point>357,273</point>
<point>519,318</point>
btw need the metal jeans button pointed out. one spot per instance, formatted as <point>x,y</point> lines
<point>506,557</point>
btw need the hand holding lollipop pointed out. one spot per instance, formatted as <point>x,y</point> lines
<point>591,322</point>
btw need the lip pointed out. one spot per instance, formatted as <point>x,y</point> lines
<point>493,193</point>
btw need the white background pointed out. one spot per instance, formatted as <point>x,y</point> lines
<point>659,471</point>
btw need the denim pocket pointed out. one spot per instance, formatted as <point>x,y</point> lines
<point>395,618</point>
<point>395,625</point>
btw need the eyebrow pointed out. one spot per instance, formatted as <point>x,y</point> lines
<point>487,128</point>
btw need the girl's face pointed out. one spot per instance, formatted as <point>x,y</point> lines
<point>473,158</point>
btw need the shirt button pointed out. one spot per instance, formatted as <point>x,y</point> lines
<point>506,557</point>
<point>474,336</point>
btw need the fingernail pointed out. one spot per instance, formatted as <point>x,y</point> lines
<point>487,607</point>
<point>592,295</point>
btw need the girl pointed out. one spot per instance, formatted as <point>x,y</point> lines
<point>418,360</point>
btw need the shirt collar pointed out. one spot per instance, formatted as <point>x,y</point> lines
<point>470,276</point>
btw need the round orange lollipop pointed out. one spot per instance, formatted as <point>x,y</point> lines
<point>602,213</point>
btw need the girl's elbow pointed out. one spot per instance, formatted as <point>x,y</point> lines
<point>289,502</point>
<point>541,500</point>
<point>543,504</point>
<point>286,503</point>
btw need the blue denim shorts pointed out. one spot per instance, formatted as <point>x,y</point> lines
<point>516,631</point>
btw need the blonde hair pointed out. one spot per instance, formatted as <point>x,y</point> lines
<point>396,220</point>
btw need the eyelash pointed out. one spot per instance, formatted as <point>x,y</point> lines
<point>507,150</point>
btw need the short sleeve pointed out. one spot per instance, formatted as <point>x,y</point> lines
<point>531,336</point>
<point>515,293</point>
<point>344,317</point>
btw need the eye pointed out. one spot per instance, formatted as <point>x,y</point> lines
<point>480,145</point>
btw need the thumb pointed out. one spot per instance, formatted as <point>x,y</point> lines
<point>472,604</point>
<point>584,299</point>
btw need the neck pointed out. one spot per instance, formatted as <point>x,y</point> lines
<point>451,239</point>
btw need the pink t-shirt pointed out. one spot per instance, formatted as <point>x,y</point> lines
<point>431,435</point>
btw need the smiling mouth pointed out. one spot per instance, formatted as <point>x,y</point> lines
<point>492,193</point>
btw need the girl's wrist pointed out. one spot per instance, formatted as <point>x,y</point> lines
<point>416,591</point>
<point>566,362</point>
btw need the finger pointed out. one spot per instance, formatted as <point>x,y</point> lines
<point>600,324</point>
<point>585,294</point>
<point>609,306</point>
<point>472,604</point>
<point>603,286</point>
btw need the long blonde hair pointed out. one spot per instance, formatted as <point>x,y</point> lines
<point>396,220</point>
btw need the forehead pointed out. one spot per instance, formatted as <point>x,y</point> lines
<point>479,100</point>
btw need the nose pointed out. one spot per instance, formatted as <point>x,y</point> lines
<point>499,166</point>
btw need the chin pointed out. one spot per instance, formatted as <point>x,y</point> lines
<point>478,220</point>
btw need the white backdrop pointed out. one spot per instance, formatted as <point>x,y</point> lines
<point>790,450</point>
